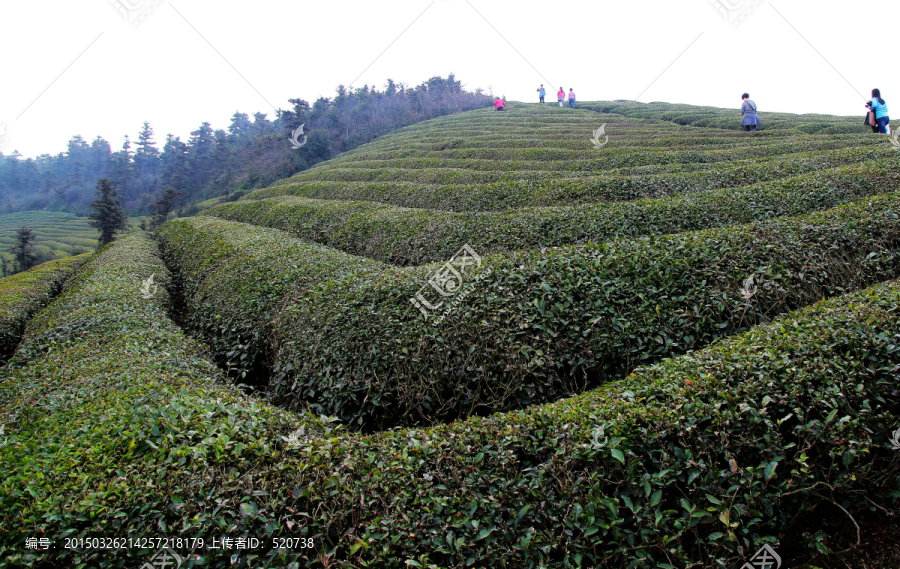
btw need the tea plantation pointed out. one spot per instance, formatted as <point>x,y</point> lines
<point>488,339</point>
<point>59,234</point>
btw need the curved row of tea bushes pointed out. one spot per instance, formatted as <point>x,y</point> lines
<point>234,277</point>
<point>126,431</point>
<point>24,294</point>
<point>549,191</point>
<point>727,118</point>
<point>695,461</point>
<point>538,325</point>
<point>697,456</point>
<point>115,425</point>
<point>618,165</point>
<point>416,236</point>
<point>589,159</point>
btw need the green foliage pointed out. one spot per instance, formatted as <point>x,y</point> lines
<point>58,234</point>
<point>729,118</point>
<point>684,420</point>
<point>414,236</point>
<point>235,277</point>
<point>538,325</point>
<point>123,430</point>
<point>23,249</point>
<point>107,216</point>
<point>24,294</point>
<point>541,156</point>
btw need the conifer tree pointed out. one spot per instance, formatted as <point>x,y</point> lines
<point>107,215</point>
<point>23,251</point>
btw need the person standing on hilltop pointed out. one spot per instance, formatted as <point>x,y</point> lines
<point>749,119</point>
<point>571,98</point>
<point>561,96</point>
<point>879,107</point>
<point>499,104</point>
<point>542,91</point>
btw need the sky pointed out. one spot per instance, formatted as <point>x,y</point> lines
<point>103,67</point>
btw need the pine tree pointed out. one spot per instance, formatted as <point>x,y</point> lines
<point>122,172</point>
<point>168,202</point>
<point>146,159</point>
<point>107,215</point>
<point>23,251</point>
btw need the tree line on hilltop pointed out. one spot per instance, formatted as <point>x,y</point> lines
<point>228,162</point>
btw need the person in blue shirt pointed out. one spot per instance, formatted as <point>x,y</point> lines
<point>543,92</point>
<point>878,105</point>
<point>749,119</point>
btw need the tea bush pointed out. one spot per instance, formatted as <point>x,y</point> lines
<point>538,325</point>
<point>414,236</point>
<point>234,278</point>
<point>110,413</point>
<point>459,190</point>
<point>23,294</point>
<point>123,430</point>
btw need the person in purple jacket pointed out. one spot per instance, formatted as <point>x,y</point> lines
<point>571,98</point>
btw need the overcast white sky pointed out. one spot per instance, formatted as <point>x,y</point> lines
<point>91,68</point>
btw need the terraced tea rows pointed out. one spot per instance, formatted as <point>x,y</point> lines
<point>543,156</point>
<point>626,308</point>
<point>407,236</point>
<point>24,294</point>
<point>676,463</point>
<point>538,325</point>
<point>58,234</point>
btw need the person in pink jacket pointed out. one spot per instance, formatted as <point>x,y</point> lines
<point>499,104</point>
<point>561,96</point>
<point>571,98</point>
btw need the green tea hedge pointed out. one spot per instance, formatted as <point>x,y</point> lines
<point>459,190</point>
<point>24,294</point>
<point>663,150</point>
<point>415,236</point>
<point>693,462</point>
<point>538,325</point>
<point>712,117</point>
<point>110,414</point>
<point>234,277</point>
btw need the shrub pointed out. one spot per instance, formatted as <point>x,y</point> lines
<point>695,461</point>
<point>459,190</point>
<point>415,236</point>
<point>548,323</point>
<point>234,277</point>
<point>110,414</point>
<point>24,294</point>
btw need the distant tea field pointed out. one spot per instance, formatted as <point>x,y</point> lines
<point>59,234</point>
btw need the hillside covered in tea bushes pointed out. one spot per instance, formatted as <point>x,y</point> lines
<point>489,339</point>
